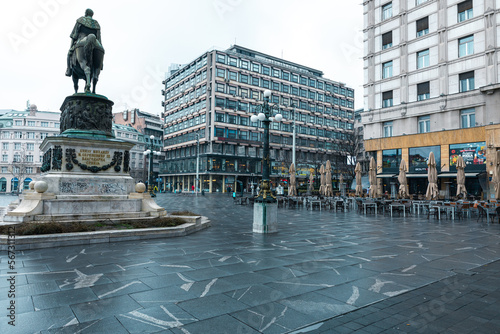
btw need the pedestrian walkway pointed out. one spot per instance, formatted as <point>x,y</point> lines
<point>325,271</point>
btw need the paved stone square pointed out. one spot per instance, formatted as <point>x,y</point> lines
<point>324,272</point>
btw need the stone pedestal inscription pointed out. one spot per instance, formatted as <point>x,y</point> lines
<point>93,157</point>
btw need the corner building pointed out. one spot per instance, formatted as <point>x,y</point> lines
<point>211,99</point>
<point>432,84</point>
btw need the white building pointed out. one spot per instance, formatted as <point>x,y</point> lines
<point>432,84</point>
<point>138,164</point>
<point>21,133</point>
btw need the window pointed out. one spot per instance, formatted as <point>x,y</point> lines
<point>221,73</point>
<point>387,40</point>
<point>244,78</point>
<point>233,75</point>
<point>387,11</point>
<point>5,158</point>
<point>255,67</point>
<point>255,81</point>
<point>468,117</point>
<point>5,146</point>
<point>19,123</point>
<point>221,58</point>
<point>424,124</point>
<point>17,146</point>
<point>233,61</point>
<point>29,170</point>
<point>295,78</point>
<point>31,123</point>
<point>276,73</point>
<point>466,46</point>
<point>466,81</point>
<point>244,64</point>
<point>31,135</point>
<point>5,170</point>
<point>18,135</point>
<point>423,91</point>
<point>423,58</point>
<point>29,158</point>
<point>423,26</point>
<point>387,70</point>
<point>464,10</point>
<point>45,124</point>
<point>387,129</point>
<point>387,99</point>
<point>265,70</point>
<point>418,2</point>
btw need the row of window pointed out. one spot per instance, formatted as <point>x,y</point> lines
<point>17,158</point>
<point>186,84</point>
<point>18,146</point>
<point>21,135</point>
<point>43,124</point>
<point>186,72</point>
<point>279,86</point>
<point>464,10</point>
<point>232,133</point>
<point>465,48</point>
<point>186,98</point>
<point>252,108</point>
<point>244,120</point>
<point>16,170</point>
<point>467,120</point>
<point>466,83</point>
<point>201,119</point>
<point>185,137</point>
<point>188,110</point>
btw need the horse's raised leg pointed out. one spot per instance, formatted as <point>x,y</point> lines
<point>95,77</point>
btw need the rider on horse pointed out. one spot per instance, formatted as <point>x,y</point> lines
<point>84,26</point>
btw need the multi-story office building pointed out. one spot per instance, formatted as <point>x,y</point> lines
<point>147,124</point>
<point>432,85</point>
<point>21,133</point>
<point>138,164</point>
<point>211,99</point>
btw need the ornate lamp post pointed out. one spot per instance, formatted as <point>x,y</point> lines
<point>265,208</point>
<point>151,152</point>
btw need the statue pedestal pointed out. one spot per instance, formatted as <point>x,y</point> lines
<point>265,217</point>
<point>85,173</point>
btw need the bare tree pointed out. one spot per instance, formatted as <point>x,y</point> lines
<point>19,169</point>
<point>350,151</point>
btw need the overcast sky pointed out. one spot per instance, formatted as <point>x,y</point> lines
<point>142,38</point>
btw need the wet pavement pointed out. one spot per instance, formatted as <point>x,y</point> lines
<point>324,272</point>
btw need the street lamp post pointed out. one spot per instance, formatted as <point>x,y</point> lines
<point>265,220</point>
<point>293,138</point>
<point>151,152</point>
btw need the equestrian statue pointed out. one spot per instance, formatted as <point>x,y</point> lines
<point>86,54</point>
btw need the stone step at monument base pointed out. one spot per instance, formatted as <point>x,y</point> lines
<point>94,218</point>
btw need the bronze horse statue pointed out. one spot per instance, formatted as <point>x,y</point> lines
<point>86,62</point>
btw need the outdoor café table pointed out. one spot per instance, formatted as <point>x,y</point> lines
<point>365,204</point>
<point>419,204</point>
<point>398,205</point>
<point>448,208</point>
<point>351,201</point>
<point>311,203</point>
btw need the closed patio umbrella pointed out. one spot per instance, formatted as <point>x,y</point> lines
<point>341,183</point>
<point>359,186</point>
<point>310,188</point>
<point>322,180</point>
<point>496,174</point>
<point>292,188</point>
<point>432,188</point>
<point>328,179</point>
<point>403,188</point>
<point>372,176</point>
<point>461,177</point>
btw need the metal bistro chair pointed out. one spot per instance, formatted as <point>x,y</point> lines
<point>481,212</point>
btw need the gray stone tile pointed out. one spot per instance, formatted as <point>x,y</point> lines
<point>63,298</point>
<point>103,308</point>
<point>80,280</point>
<point>33,322</point>
<point>119,288</point>
<point>351,295</point>
<point>21,304</point>
<point>204,274</point>
<point>105,325</point>
<point>203,308</point>
<point>32,289</point>
<point>223,324</point>
<point>256,295</point>
<point>273,318</point>
<point>154,319</point>
<point>161,281</point>
<point>164,296</point>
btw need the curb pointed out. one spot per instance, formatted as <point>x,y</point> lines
<point>26,242</point>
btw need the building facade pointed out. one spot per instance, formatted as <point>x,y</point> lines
<point>209,102</point>
<point>21,133</point>
<point>148,125</point>
<point>138,164</point>
<point>432,84</point>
